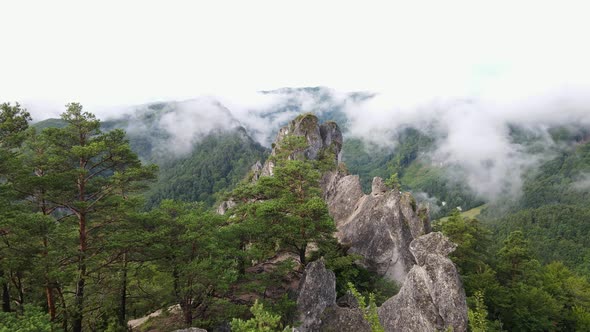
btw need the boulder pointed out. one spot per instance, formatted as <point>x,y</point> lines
<point>432,297</point>
<point>337,319</point>
<point>317,291</point>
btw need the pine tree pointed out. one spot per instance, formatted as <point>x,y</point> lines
<point>84,178</point>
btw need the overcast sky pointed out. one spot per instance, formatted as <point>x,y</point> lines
<point>106,53</point>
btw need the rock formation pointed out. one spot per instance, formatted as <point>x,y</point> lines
<point>391,235</point>
<point>378,226</point>
<point>432,297</point>
<point>323,138</point>
<point>317,291</point>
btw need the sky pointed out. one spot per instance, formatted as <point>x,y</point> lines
<point>464,71</point>
<point>106,54</point>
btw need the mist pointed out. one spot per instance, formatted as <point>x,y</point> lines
<point>472,133</point>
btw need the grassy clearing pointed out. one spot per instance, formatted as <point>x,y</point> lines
<point>473,213</point>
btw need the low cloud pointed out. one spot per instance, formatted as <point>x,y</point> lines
<point>582,183</point>
<point>474,135</point>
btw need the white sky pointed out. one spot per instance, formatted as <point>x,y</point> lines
<point>106,53</point>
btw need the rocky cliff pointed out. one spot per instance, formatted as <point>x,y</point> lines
<point>431,298</point>
<point>389,232</point>
<point>378,226</point>
<point>323,141</point>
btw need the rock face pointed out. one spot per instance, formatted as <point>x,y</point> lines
<point>378,226</point>
<point>317,291</point>
<point>337,319</point>
<point>224,206</point>
<point>432,297</point>
<point>391,235</point>
<point>326,137</point>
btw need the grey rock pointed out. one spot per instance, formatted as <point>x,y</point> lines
<point>332,138</point>
<point>394,239</point>
<point>256,170</point>
<point>337,319</point>
<point>379,227</point>
<point>432,297</point>
<point>378,187</point>
<point>320,138</point>
<point>342,193</point>
<point>434,243</point>
<point>408,207</point>
<point>191,329</point>
<point>317,291</point>
<point>224,206</point>
<point>347,301</point>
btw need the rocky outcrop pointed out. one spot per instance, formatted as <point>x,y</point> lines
<point>378,226</point>
<point>432,297</point>
<point>135,323</point>
<point>337,319</point>
<point>317,291</point>
<point>321,140</point>
<point>224,206</point>
<point>389,232</point>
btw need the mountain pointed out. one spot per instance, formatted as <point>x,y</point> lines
<point>420,151</point>
<point>195,162</point>
<point>385,229</point>
<point>554,210</point>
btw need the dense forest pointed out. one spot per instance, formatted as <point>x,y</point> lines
<point>80,251</point>
<point>93,233</point>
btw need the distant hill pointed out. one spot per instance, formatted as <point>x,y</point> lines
<point>170,134</point>
<point>212,162</point>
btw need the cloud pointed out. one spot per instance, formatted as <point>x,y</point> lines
<point>582,183</point>
<point>263,113</point>
<point>431,202</point>
<point>474,132</point>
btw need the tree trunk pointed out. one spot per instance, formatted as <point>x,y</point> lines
<point>63,307</point>
<point>123,302</point>
<point>186,306</point>
<point>77,321</point>
<point>50,301</point>
<point>5,294</point>
<point>302,254</point>
<point>48,287</point>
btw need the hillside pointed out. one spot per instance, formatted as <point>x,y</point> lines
<point>554,210</point>
<point>212,163</point>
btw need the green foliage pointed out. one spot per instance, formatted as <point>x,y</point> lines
<point>263,321</point>
<point>560,180</point>
<point>393,182</point>
<point>217,163</point>
<point>516,291</point>
<point>472,239</point>
<point>478,315</point>
<point>187,238</point>
<point>369,311</point>
<point>556,232</point>
<point>289,212</point>
<point>14,121</point>
<point>347,271</point>
<point>415,172</point>
<point>33,319</point>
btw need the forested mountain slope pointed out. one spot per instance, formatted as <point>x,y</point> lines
<point>210,162</point>
<point>554,211</point>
